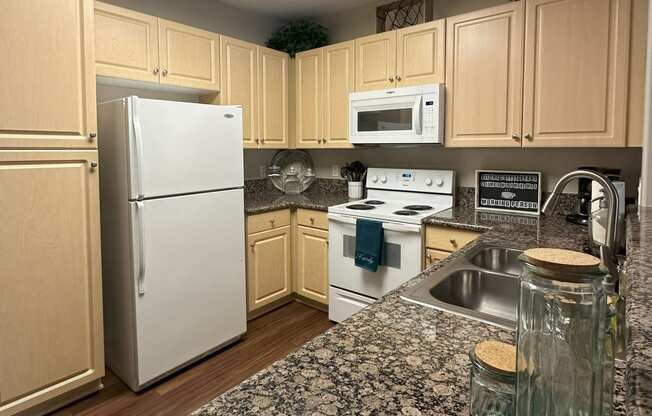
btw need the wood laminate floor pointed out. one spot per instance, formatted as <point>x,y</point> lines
<point>269,338</point>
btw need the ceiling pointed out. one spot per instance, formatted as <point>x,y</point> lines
<point>290,9</point>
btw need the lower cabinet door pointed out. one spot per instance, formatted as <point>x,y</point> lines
<point>51,338</point>
<point>268,267</point>
<point>433,256</point>
<point>312,264</point>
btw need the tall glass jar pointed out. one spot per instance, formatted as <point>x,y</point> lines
<point>561,334</point>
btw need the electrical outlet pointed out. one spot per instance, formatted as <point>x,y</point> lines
<point>263,171</point>
<point>335,171</point>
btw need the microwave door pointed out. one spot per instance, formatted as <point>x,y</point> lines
<point>385,121</point>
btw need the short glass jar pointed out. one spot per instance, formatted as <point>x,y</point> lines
<point>493,379</point>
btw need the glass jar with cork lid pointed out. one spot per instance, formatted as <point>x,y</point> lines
<point>561,333</point>
<point>493,379</point>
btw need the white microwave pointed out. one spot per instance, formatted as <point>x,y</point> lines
<point>398,116</point>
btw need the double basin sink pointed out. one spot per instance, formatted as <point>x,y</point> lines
<point>482,284</point>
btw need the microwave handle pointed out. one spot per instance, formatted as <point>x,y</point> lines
<point>418,110</point>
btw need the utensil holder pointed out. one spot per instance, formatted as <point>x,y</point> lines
<point>355,190</point>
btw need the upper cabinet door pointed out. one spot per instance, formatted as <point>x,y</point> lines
<point>375,61</point>
<point>126,43</point>
<point>273,95</point>
<point>240,84</point>
<point>309,96</point>
<point>338,83</point>
<point>47,98</point>
<point>484,76</point>
<point>189,57</point>
<point>576,69</point>
<point>421,54</point>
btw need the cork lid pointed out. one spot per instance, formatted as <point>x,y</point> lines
<point>496,356</point>
<point>560,260</point>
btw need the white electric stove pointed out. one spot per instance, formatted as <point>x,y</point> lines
<point>400,199</point>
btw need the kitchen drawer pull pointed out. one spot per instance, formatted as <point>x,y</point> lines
<point>272,223</point>
<point>453,241</point>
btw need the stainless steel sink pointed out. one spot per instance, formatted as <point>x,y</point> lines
<point>482,284</point>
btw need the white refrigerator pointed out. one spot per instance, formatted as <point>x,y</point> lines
<point>173,249</point>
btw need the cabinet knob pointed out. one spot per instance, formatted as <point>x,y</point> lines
<point>271,222</point>
<point>93,165</point>
<point>391,79</point>
<point>529,137</point>
<point>516,137</point>
<point>398,78</point>
<point>312,221</point>
<point>92,137</point>
<point>453,242</point>
<point>429,258</point>
<point>257,140</point>
<point>155,71</point>
<point>164,72</point>
<point>252,245</point>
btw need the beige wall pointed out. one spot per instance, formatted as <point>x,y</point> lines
<point>209,15</point>
<point>361,21</point>
<point>553,163</point>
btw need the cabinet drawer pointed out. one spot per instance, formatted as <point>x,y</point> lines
<point>268,221</point>
<point>312,218</point>
<point>448,239</point>
<point>433,256</point>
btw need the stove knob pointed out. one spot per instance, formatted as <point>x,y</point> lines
<point>428,182</point>
<point>374,179</point>
<point>439,182</point>
<point>383,179</point>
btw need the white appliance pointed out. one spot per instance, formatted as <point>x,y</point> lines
<point>398,116</point>
<point>172,234</point>
<point>400,199</point>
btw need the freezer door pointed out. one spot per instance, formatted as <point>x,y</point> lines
<point>179,148</point>
<point>189,279</point>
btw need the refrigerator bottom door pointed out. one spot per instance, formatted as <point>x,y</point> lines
<point>190,278</point>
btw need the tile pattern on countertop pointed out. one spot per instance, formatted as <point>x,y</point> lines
<point>638,269</point>
<point>392,357</point>
<point>261,196</point>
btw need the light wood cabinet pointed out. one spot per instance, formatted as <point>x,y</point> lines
<point>140,47</point>
<point>433,256</point>
<point>126,43</point>
<point>576,73</point>
<point>375,61</point>
<point>273,94</point>
<point>50,302</point>
<point>312,263</point>
<point>47,99</point>
<point>484,75</point>
<point>441,242</point>
<point>189,57</point>
<point>324,80</point>
<point>338,82</point>
<point>421,53</point>
<point>308,98</point>
<point>269,270</point>
<point>240,84</point>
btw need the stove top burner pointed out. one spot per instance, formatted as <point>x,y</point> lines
<point>374,202</point>
<point>417,207</point>
<point>406,212</point>
<point>360,207</point>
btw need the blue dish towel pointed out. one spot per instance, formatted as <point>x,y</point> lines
<point>368,244</point>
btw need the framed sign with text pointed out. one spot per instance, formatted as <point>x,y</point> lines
<point>508,191</point>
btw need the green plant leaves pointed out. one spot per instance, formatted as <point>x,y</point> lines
<point>298,36</point>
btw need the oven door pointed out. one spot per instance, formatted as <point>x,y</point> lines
<point>401,262</point>
<point>386,120</point>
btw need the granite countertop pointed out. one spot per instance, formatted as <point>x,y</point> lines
<point>395,357</point>
<point>261,196</point>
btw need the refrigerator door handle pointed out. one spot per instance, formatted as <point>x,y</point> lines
<point>140,212</point>
<point>138,157</point>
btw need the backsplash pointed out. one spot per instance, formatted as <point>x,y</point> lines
<point>320,185</point>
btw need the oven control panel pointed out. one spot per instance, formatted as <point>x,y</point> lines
<point>413,180</point>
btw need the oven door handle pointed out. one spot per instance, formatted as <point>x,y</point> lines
<point>389,226</point>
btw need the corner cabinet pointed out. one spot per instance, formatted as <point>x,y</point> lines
<point>139,47</point>
<point>47,99</point>
<point>324,80</point>
<point>51,297</point>
<point>576,73</point>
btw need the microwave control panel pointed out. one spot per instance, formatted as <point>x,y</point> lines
<point>432,105</point>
